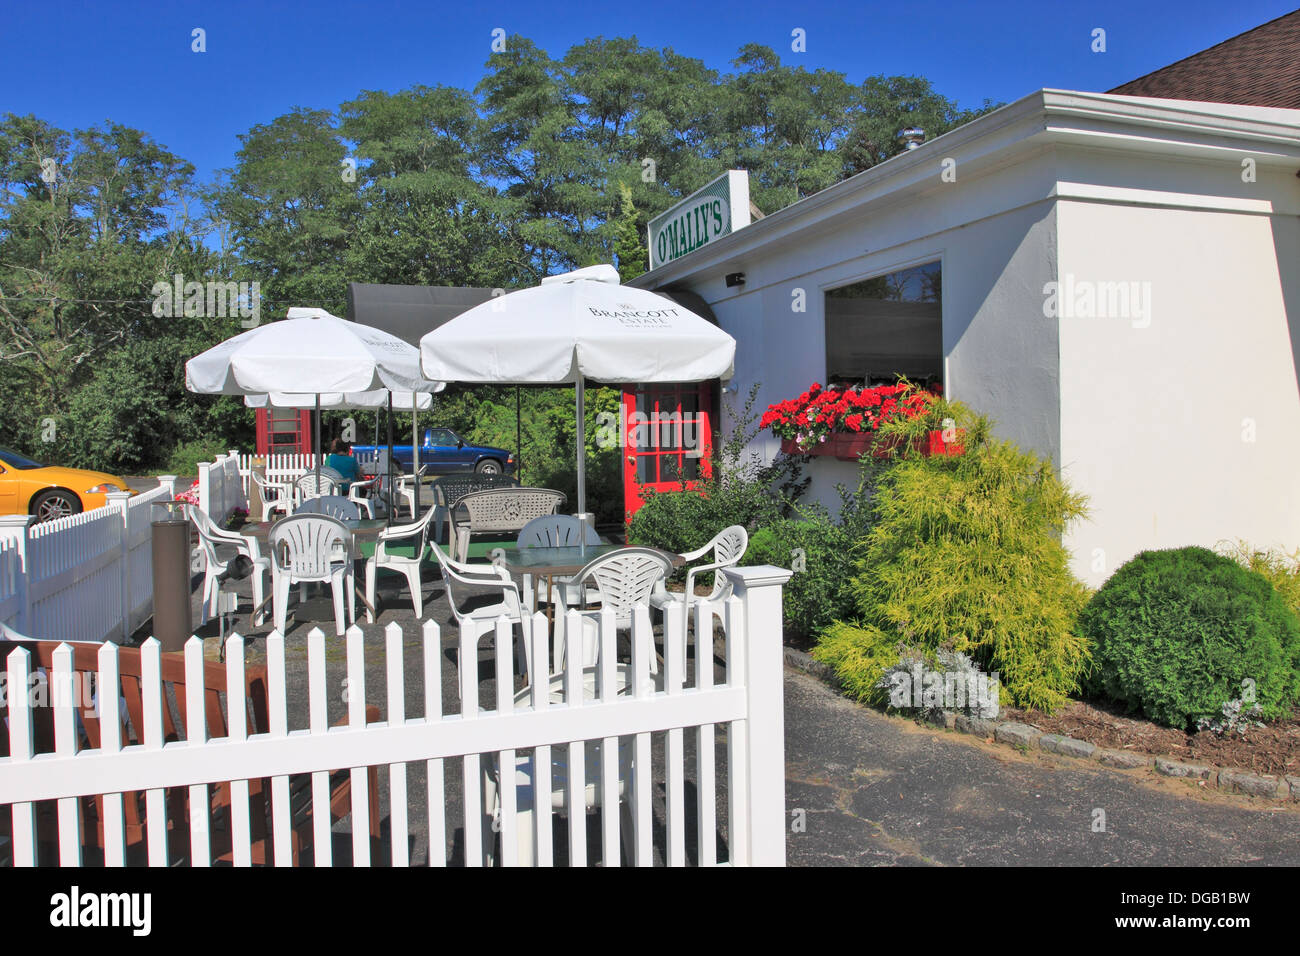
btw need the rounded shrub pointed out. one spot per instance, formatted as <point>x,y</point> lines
<point>820,553</point>
<point>1179,633</point>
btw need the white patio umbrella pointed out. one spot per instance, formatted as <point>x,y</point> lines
<point>576,326</point>
<point>309,352</point>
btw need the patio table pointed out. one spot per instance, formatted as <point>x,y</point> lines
<point>552,563</point>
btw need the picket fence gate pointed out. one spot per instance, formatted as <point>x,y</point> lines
<point>86,577</point>
<point>747,703</point>
<point>222,488</point>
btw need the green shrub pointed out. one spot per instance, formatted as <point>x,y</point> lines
<point>1177,632</point>
<point>821,554</point>
<point>187,456</point>
<point>964,553</point>
<point>741,491</point>
<point>1282,570</point>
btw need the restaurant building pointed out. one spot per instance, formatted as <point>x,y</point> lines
<point>1114,279</point>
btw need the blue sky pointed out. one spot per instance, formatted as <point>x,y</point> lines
<point>79,63</point>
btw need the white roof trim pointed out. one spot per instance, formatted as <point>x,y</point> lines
<point>1047,116</point>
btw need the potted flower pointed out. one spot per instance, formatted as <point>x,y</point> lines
<point>846,422</point>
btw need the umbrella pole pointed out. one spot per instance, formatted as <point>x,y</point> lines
<point>582,448</point>
<point>415,454</point>
<point>319,450</point>
<point>519,443</point>
<point>392,501</point>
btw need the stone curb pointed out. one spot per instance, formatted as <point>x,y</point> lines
<point>1026,736</point>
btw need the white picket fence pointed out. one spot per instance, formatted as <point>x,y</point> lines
<point>623,710</point>
<point>283,469</point>
<point>86,577</point>
<point>221,488</point>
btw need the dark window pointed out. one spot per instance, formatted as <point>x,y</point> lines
<point>442,436</point>
<point>881,328</point>
<point>15,460</point>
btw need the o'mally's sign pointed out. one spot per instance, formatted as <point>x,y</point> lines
<point>708,214</point>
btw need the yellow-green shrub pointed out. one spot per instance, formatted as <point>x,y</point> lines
<point>964,552</point>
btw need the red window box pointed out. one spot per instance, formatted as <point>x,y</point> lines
<point>851,447</point>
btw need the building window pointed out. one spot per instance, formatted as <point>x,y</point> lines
<point>881,328</point>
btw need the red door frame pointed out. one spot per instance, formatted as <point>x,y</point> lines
<point>302,443</point>
<point>660,439</point>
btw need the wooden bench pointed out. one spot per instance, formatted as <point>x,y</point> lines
<point>131,714</point>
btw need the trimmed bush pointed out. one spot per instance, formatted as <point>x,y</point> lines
<point>821,555</point>
<point>964,554</point>
<point>1177,632</point>
<point>187,457</point>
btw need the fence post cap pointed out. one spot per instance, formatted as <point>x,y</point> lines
<point>117,495</point>
<point>757,576</point>
<point>16,521</point>
<point>166,479</point>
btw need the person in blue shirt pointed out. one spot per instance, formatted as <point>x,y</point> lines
<point>341,460</point>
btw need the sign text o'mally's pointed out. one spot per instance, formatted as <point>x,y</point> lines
<point>714,211</point>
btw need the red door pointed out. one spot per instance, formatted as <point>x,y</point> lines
<point>284,431</point>
<point>669,439</point>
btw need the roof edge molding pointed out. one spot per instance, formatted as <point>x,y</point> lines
<point>1043,119</point>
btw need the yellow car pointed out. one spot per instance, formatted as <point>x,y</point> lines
<point>49,491</point>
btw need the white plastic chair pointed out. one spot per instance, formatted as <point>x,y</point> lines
<point>212,538</point>
<point>312,547</point>
<point>274,497</point>
<point>479,620</point>
<point>624,579</point>
<point>361,493</point>
<point>335,506</point>
<point>728,547</point>
<point>308,486</point>
<point>525,802</point>
<point>417,531</point>
<point>406,489</point>
<point>558,531</point>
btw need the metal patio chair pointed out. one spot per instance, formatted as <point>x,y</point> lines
<point>500,511</point>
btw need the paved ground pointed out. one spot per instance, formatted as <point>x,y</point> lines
<point>882,790</point>
<point>862,788</point>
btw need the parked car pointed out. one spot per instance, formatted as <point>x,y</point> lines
<point>51,491</point>
<point>446,453</point>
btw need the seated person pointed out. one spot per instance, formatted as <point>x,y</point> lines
<point>341,460</point>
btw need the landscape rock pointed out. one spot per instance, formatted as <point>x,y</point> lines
<point>976,725</point>
<point>1017,734</point>
<point>1124,759</point>
<point>1067,746</point>
<point>1255,784</point>
<point>1187,771</point>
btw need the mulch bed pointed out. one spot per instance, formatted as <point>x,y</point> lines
<point>1273,748</point>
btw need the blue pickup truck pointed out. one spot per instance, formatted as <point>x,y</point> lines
<point>445,452</point>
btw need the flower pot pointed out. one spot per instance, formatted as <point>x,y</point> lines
<point>850,446</point>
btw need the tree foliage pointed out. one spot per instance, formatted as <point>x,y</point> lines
<point>549,164</point>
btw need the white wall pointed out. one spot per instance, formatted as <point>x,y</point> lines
<point>998,356</point>
<point>1187,430</point>
<point>1183,430</point>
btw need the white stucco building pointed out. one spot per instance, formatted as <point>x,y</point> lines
<point>1115,280</point>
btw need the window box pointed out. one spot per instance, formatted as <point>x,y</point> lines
<point>851,447</point>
